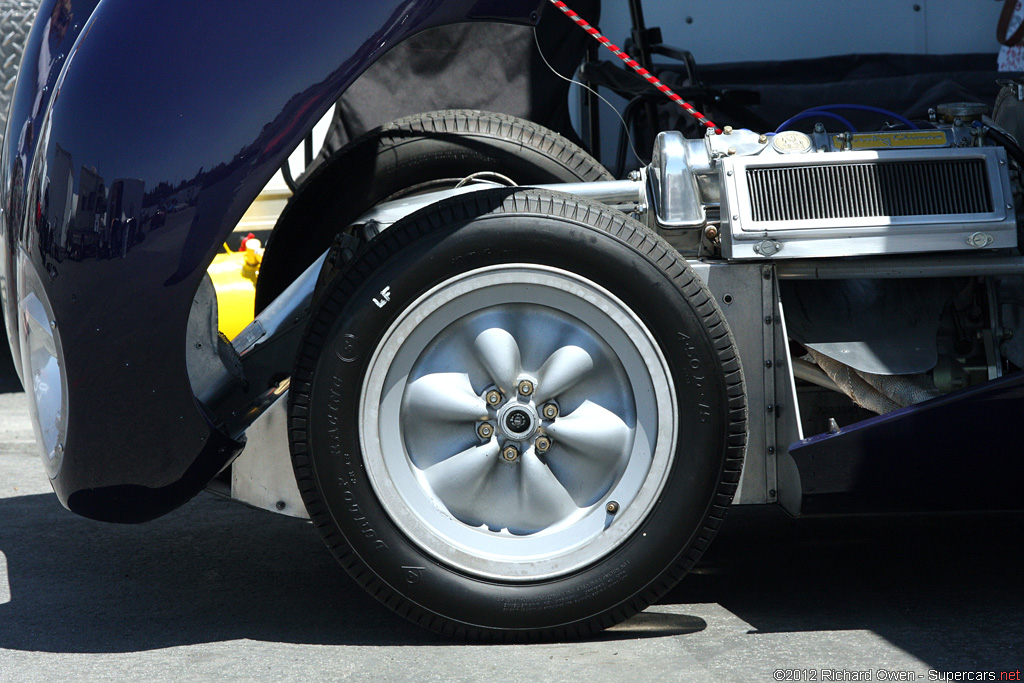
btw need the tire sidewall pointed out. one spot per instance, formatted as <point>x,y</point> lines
<point>653,549</point>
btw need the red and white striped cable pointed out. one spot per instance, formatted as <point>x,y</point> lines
<point>635,66</point>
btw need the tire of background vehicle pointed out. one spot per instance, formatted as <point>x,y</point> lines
<point>425,151</point>
<point>476,294</point>
<point>15,23</point>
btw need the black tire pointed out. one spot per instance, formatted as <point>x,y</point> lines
<point>426,151</point>
<point>647,543</point>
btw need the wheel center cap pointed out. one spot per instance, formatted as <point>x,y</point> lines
<point>517,421</point>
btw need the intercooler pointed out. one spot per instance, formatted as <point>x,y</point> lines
<point>866,202</point>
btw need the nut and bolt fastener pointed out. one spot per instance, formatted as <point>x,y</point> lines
<point>485,430</point>
<point>493,397</point>
<point>634,176</point>
<point>542,444</point>
<point>526,387</point>
<point>550,411</point>
<point>511,453</point>
<point>612,507</point>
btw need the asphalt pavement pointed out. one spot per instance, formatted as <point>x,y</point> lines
<point>218,591</point>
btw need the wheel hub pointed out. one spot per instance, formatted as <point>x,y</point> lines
<point>517,421</point>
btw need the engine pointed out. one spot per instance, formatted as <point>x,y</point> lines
<point>798,195</point>
<point>896,250</point>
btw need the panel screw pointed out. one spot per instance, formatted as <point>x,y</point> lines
<point>768,363</point>
<point>526,387</point>
<point>493,397</point>
<point>280,505</point>
<point>511,453</point>
<point>771,450</point>
<point>485,430</point>
<point>542,444</point>
<point>612,507</point>
<point>770,408</point>
<point>550,411</point>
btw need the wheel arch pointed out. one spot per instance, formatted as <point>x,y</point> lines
<point>199,102</point>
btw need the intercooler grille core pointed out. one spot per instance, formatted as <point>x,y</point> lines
<point>862,190</point>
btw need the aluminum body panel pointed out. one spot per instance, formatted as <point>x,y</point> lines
<point>197,104</point>
<point>864,229</point>
<point>262,475</point>
<point>749,300</point>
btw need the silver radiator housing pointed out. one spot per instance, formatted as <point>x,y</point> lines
<point>858,203</point>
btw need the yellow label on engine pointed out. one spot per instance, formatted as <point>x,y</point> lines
<point>903,138</point>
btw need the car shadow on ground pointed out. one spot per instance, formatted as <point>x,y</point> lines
<point>210,572</point>
<point>946,588</point>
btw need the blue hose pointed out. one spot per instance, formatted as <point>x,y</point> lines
<point>815,112</point>
<point>825,110</point>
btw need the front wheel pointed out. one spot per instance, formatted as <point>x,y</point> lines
<point>517,416</point>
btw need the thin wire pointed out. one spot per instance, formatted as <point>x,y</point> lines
<point>635,66</point>
<point>586,87</point>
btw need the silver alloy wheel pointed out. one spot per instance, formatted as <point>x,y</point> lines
<point>461,497</point>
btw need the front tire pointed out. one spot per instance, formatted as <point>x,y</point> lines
<point>517,416</point>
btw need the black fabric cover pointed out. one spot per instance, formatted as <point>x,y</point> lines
<point>903,83</point>
<point>494,67</point>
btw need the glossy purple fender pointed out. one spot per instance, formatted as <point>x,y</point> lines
<point>181,110</point>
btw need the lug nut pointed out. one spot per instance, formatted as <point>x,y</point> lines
<point>542,444</point>
<point>493,397</point>
<point>526,387</point>
<point>612,507</point>
<point>550,411</point>
<point>485,430</point>
<point>511,453</point>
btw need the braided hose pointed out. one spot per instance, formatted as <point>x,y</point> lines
<point>878,393</point>
<point>635,66</point>
<point>854,386</point>
<point>904,390</point>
